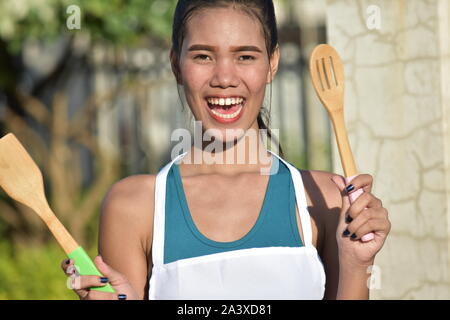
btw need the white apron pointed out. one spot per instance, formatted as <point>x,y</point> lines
<point>273,273</point>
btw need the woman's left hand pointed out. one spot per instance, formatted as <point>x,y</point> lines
<point>365,215</point>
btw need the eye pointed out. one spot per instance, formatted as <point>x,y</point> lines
<point>202,57</point>
<point>246,58</point>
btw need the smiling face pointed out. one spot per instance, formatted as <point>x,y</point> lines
<point>224,68</point>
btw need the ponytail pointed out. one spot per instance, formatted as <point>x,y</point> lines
<point>262,125</point>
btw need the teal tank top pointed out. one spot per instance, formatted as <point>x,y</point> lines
<point>276,225</point>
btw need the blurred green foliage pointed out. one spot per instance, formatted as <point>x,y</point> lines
<point>120,22</point>
<point>33,272</point>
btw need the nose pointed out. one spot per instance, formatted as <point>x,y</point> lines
<point>225,75</point>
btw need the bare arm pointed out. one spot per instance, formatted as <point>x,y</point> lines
<point>343,281</point>
<point>126,225</point>
<point>348,259</point>
<point>325,208</point>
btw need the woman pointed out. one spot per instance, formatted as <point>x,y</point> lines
<point>226,231</point>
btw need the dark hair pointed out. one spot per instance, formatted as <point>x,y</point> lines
<point>263,10</point>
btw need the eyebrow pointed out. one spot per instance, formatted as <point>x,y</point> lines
<point>205,47</point>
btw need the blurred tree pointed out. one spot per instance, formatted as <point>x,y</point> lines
<point>122,22</point>
<point>35,106</point>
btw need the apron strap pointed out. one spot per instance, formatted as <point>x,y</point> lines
<point>160,209</point>
<point>301,201</point>
<point>160,212</point>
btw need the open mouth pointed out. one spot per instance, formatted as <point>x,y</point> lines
<point>226,110</point>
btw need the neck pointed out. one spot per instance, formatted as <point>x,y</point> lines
<point>244,154</point>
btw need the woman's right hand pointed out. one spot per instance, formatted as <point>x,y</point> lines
<point>81,284</point>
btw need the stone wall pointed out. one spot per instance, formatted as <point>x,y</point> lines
<point>397,109</point>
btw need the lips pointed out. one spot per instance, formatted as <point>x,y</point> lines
<point>225,109</point>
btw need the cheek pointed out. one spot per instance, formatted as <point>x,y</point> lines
<point>193,76</point>
<point>256,79</point>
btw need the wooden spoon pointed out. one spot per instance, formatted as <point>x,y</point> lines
<point>327,73</point>
<point>22,180</point>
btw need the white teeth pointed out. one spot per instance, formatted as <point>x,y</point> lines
<point>225,101</point>
<point>228,116</point>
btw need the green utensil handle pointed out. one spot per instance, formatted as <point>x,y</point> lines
<point>85,266</point>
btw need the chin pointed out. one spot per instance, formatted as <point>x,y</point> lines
<point>230,134</point>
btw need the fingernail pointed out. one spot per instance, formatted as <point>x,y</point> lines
<point>71,270</point>
<point>68,261</point>
<point>346,233</point>
<point>353,236</point>
<point>104,280</point>
<point>122,297</point>
<point>349,188</point>
<point>348,219</point>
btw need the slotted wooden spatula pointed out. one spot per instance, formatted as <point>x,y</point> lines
<point>22,180</point>
<point>327,73</point>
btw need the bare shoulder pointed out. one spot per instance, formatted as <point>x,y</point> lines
<point>324,204</point>
<point>132,188</point>
<point>126,227</point>
<point>131,201</point>
<point>322,191</point>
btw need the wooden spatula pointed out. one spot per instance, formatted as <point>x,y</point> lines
<point>22,180</point>
<point>327,73</point>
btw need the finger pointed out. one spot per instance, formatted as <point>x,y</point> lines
<point>87,282</point>
<point>65,264</point>
<point>99,295</point>
<point>115,277</point>
<point>71,269</point>
<point>359,221</point>
<point>339,181</point>
<point>363,217</point>
<point>73,279</point>
<point>365,201</point>
<point>73,283</point>
<point>372,225</point>
<point>361,181</point>
<point>82,285</point>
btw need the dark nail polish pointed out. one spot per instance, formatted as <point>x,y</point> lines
<point>68,261</point>
<point>349,188</point>
<point>346,233</point>
<point>348,219</point>
<point>104,280</point>
<point>353,236</point>
<point>122,296</point>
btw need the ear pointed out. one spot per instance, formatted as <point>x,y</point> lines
<point>274,60</point>
<point>175,67</point>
